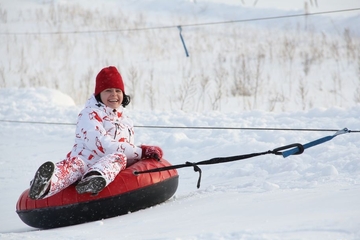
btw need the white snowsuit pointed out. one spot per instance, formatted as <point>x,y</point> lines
<point>104,142</point>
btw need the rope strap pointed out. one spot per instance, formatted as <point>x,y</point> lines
<point>285,151</point>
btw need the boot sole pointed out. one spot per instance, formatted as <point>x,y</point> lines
<point>41,180</point>
<point>93,185</point>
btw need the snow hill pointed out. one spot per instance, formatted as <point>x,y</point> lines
<point>239,55</point>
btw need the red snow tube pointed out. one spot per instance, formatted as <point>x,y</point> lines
<point>127,193</point>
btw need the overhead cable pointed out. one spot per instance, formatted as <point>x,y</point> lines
<point>197,127</point>
<point>182,25</point>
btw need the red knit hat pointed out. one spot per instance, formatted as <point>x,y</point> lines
<point>108,77</point>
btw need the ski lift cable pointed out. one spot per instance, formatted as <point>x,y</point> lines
<point>199,127</point>
<point>182,25</point>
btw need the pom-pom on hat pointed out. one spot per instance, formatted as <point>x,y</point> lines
<point>108,77</point>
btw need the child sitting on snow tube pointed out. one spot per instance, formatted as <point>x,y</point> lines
<point>104,143</point>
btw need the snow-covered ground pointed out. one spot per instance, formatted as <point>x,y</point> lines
<point>314,195</point>
<point>308,79</point>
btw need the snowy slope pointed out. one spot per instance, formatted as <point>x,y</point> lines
<point>311,196</point>
<point>276,65</point>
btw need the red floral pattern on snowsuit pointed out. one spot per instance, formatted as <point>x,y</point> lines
<point>104,142</point>
<point>109,166</point>
<point>66,173</point>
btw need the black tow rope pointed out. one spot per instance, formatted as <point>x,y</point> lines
<point>285,151</point>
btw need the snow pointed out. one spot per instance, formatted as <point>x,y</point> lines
<point>272,65</point>
<point>310,196</point>
<point>314,195</point>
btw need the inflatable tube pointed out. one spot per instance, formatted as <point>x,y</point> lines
<point>127,193</point>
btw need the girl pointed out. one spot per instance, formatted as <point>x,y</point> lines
<point>104,143</point>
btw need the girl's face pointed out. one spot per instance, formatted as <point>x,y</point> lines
<point>112,97</point>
